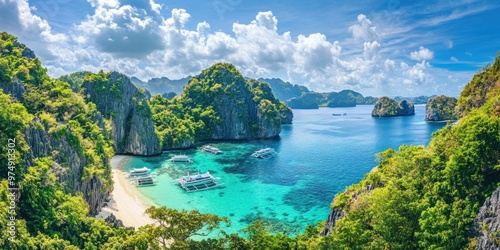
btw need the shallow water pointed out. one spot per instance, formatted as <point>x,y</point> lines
<point>318,156</point>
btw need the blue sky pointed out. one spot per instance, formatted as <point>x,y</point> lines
<point>394,47</point>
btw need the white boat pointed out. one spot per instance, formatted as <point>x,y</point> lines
<point>144,180</point>
<point>180,158</point>
<point>139,171</point>
<point>264,153</point>
<point>198,182</point>
<point>211,150</point>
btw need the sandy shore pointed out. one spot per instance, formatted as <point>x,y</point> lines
<point>124,203</point>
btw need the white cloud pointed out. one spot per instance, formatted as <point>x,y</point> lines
<point>449,44</point>
<point>125,31</point>
<point>17,18</point>
<point>363,31</point>
<point>136,40</point>
<point>454,59</point>
<point>422,54</point>
<point>155,7</point>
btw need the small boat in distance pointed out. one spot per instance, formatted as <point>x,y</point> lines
<point>264,153</point>
<point>198,182</point>
<point>180,158</point>
<point>139,171</point>
<point>211,149</point>
<point>144,180</point>
<point>334,114</point>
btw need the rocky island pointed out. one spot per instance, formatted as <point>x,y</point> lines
<point>387,107</point>
<point>441,108</point>
<point>219,104</point>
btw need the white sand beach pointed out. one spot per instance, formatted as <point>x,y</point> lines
<point>124,203</point>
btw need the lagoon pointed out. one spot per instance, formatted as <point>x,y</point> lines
<point>319,155</point>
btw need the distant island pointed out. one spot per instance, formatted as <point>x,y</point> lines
<point>387,107</point>
<point>294,95</point>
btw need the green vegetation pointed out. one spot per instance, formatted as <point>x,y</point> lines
<point>47,211</point>
<point>386,107</point>
<point>344,98</point>
<point>419,197</point>
<point>441,108</point>
<point>205,101</point>
<point>483,87</point>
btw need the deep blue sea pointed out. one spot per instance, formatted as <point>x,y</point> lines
<point>319,155</point>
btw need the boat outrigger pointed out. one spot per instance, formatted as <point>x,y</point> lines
<point>198,182</point>
<point>264,153</point>
<point>211,149</point>
<point>144,180</point>
<point>139,172</point>
<point>180,158</point>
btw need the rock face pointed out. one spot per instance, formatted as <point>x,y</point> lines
<point>441,108</point>
<point>42,144</point>
<point>286,116</point>
<point>486,227</point>
<point>246,109</point>
<point>331,221</point>
<point>387,107</point>
<point>127,108</point>
<point>15,88</point>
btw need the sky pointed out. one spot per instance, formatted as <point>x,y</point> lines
<point>393,47</point>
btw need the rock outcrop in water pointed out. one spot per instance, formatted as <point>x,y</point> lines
<point>127,108</point>
<point>246,109</point>
<point>441,108</point>
<point>387,107</point>
<point>486,226</point>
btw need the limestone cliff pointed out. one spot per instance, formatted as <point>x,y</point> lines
<point>243,109</point>
<point>387,107</point>
<point>486,226</point>
<point>15,88</point>
<point>126,107</point>
<point>441,108</point>
<point>337,213</point>
<point>64,152</point>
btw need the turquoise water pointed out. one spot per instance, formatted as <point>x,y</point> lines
<point>319,155</point>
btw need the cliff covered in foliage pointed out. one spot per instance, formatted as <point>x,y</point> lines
<point>386,107</point>
<point>429,197</point>
<point>441,108</point>
<point>127,109</point>
<point>58,152</point>
<point>219,104</point>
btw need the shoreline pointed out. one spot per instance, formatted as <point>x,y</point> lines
<point>124,203</point>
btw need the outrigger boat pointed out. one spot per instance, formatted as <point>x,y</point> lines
<point>180,158</point>
<point>144,180</point>
<point>198,182</point>
<point>264,153</point>
<point>139,172</point>
<point>211,150</point>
